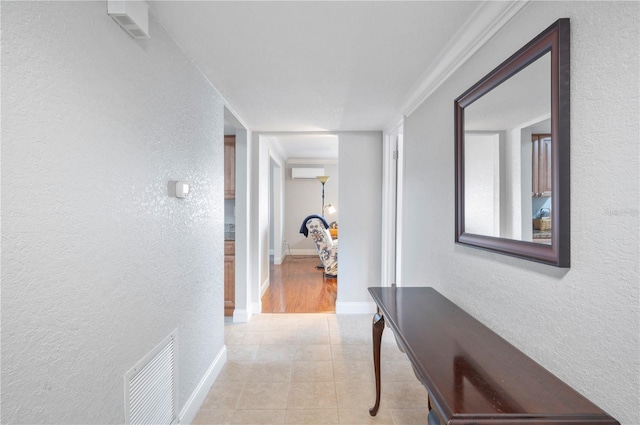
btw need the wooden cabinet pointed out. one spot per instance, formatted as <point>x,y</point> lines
<point>541,165</point>
<point>229,277</point>
<point>229,167</point>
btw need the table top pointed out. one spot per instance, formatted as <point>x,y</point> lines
<point>472,374</point>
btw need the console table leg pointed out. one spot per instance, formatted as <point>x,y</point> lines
<point>378,327</point>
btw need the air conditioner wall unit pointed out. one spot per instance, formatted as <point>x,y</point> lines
<point>306,173</point>
<point>131,15</point>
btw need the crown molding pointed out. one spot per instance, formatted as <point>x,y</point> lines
<point>488,18</point>
<point>395,125</point>
<point>277,147</point>
<point>312,161</point>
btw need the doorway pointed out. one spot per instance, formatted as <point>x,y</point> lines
<point>393,171</point>
<point>236,221</point>
<point>295,285</point>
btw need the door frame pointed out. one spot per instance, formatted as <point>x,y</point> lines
<point>392,174</point>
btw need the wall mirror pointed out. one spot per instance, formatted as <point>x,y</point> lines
<point>512,154</point>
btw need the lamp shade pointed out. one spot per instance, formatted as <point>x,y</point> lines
<point>323,179</point>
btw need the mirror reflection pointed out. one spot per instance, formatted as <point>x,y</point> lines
<point>512,137</point>
<point>507,165</point>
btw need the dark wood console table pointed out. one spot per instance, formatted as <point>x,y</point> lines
<point>472,375</point>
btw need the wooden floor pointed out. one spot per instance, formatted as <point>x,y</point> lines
<point>297,286</point>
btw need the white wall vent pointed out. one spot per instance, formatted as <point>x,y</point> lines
<point>131,15</point>
<point>151,386</point>
<point>301,173</point>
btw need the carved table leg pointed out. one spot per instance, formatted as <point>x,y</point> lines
<point>378,327</point>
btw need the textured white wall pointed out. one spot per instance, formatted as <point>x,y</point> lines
<point>360,218</point>
<point>263,156</point>
<point>580,323</point>
<point>276,201</point>
<point>482,184</point>
<point>99,261</point>
<point>260,221</point>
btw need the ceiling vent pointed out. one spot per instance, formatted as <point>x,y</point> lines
<point>301,173</point>
<point>131,15</point>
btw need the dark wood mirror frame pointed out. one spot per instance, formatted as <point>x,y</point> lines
<point>555,40</point>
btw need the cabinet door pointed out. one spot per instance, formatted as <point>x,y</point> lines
<point>535,157</point>
<point>541,165</point>
<point>229,284</point>
<point>229,167</point>
<point>545,166</point>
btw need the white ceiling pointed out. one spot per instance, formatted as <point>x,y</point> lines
<point>309,66</point>
<point>520,101</point>
<point>308,146</point>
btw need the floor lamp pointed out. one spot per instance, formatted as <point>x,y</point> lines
<point>323,180</point>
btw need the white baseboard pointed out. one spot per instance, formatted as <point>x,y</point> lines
<point>355,307</point>
<point>257,307</point>
<point>303,252</point>
<point>191,407</point>
<point>241,316</point>
<point>277,260</point>
<point>263,287</point>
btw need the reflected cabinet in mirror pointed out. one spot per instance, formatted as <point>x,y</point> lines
<point>512,154</point>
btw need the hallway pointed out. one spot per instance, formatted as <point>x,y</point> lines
<point>310,369</point>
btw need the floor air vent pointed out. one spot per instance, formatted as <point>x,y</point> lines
<point>151,386</point>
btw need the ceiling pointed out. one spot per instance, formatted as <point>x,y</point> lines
<point>503,107</point>
<point>319,66</point>
<point>307,146</point>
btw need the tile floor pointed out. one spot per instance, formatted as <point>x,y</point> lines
<point>311,369</point>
